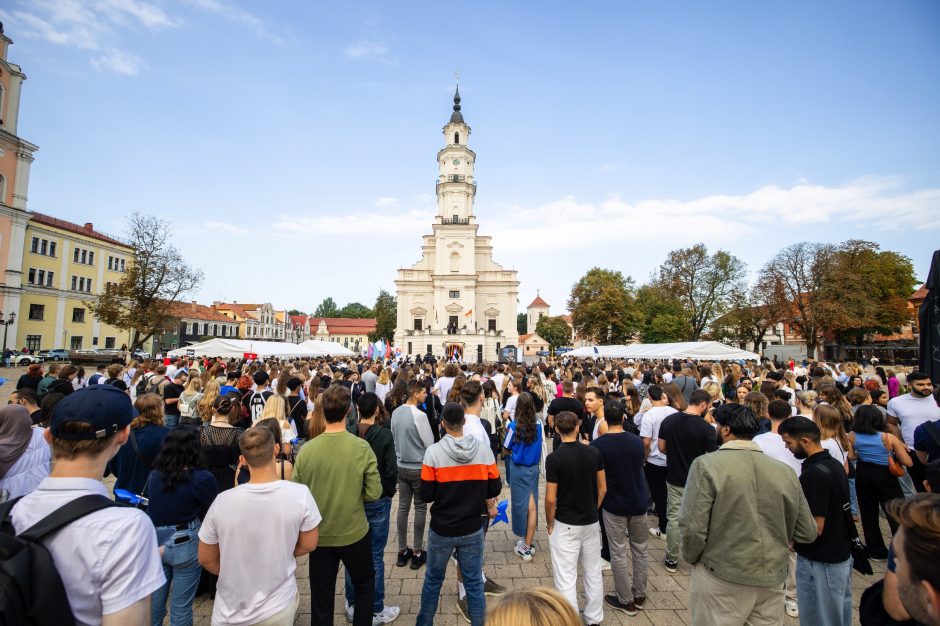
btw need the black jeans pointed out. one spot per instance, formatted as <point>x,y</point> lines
<point>656,479</point>
<point>874,486</point>
<point>324,564</point>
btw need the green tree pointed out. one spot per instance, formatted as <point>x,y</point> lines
<point>603,308</point>
<point>386,316</point>
<point>801,273</point>
<point>521,323</point>
<point>704,283</point>
<point>752,314</point>
<point>866,291</point>
<point>327,308</point>
<point>295,312</point>
<point>355,310</point>
<point>662,316</point>
<point>555,331</point>
<point>158,278</point>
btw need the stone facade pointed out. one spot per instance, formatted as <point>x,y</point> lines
<point>456,301</point>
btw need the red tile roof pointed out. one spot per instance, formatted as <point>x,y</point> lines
<point>522,338</point>
<point>921,294</point>
<point>198,312</point>
<point>87,230</point>
<point>538,302</point>
<point>298,320</point>
<point>344,325</point>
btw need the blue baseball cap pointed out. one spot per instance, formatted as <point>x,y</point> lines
<point>105,407</point>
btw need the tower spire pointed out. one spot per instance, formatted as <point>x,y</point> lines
<point>457,117</point>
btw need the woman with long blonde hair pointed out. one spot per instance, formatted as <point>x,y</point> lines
<point>832,435</point>
<point>189,401</point>
<point>316,422</point>
<point>204,405</point>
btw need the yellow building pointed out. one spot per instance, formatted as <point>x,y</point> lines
<point>64,264</point>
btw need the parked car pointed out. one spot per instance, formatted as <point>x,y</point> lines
<point>21,358</point>
<point>93,356</point>
<point>59,354</point>
<point>140,355</point>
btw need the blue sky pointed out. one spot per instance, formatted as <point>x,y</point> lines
<point>292,144</point>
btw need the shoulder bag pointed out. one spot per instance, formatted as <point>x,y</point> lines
<point>894,467</point>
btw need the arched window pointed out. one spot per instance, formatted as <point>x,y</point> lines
<point>454,261</point>
<point>3,189</point>
<point>457,138</point>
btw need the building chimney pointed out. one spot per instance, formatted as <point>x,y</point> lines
<point>194,306</point>
<point>89,226</point>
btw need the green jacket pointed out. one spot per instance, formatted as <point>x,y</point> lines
<point>739,512</point>
<point>340,471</point>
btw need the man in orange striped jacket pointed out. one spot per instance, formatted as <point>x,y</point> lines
<point>460,479</point>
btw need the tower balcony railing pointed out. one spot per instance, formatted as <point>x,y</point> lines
<point>455,220</point>
<point>454,178</point>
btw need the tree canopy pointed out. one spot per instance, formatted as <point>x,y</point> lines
<point>555,331</point>
<point>603,308</point>
<point>386,316</point>
<point>159,277</point>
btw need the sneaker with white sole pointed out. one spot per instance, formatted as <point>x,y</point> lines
<point>463,610</point>
<point>523,551</point>
<point>791,608</point>
<point>388,615</point>
<point>655,532</point>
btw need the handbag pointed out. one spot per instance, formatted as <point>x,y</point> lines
<point>860,562</point>
<point>895,468</point>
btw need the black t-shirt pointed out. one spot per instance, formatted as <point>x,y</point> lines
<point>297,411</point>
<point>172,390</point>
<point>254,401</point>
<point>573,467</point>
<point>627,493</point>
<point>559,405</point>
<point>687,437</point>
<point>826,492</point>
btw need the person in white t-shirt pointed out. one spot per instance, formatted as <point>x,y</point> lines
<point>108,560</point>
<point>257,582</point>
<point>655,468</point>
<point>905,414</point>
<point>771,443</point>
<point>445,382</point>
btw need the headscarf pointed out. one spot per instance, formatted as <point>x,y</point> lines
<point>16,430</point>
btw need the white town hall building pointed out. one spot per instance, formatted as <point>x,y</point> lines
<point>456,301</point>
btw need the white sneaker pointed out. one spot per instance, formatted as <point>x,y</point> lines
<point>655,532</point>
<point>349,612</point>
<point>791,608</point>
<point>605,565</point>
<point>388,615</point>
<point>523,551</point>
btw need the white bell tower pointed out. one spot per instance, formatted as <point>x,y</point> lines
<point>455,186</point>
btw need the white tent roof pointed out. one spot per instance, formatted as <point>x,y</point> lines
<point>326,348</point>
<point>699,350</point>
<point>238,347</point>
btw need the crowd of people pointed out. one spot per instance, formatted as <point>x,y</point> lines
<point>752,475</point>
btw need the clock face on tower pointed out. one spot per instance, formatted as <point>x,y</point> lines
<point>456,161</point>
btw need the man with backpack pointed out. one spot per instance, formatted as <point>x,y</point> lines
<point>104,554</point>
<point>253,401</point>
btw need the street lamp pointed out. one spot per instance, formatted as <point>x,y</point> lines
<point>6,326</point>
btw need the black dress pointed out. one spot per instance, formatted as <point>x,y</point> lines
<point>220,453</point>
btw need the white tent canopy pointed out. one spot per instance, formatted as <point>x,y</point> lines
<point>237,348</point>
<point>698,350</point>
<point>326,348</point>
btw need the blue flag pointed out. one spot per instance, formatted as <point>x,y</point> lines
<point>501,515</point>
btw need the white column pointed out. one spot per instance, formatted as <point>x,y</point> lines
<point>21,186</point>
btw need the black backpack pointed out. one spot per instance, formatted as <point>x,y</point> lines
<point>141,387</point>
<point>31,590</point>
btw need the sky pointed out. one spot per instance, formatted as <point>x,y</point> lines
<point>291,144</point>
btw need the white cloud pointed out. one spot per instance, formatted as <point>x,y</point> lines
<point>148,15</point>
<point>354,224</point>
<point>366,50</point>
<point>239,16</point>
<point>882,203</point>
<point>386,201</point>
<point>119,62</point>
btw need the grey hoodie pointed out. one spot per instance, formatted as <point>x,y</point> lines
<point>412,433</point>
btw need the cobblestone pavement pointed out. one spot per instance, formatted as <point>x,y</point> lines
<point>667,596</point>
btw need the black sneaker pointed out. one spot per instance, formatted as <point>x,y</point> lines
<point>671,565</point>
<point>638,601</point>
<point>613,602</point>
<point>419,559</point>
<point>493,588</point>
<point>404,557</point>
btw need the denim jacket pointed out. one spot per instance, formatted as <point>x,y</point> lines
<point>739,512</point>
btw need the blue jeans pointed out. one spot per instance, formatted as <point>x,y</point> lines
<point>470,560</point>
<point>182,569</point>
<point>171,421</point>
<point>824,592</point>
<point>377,513</point>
